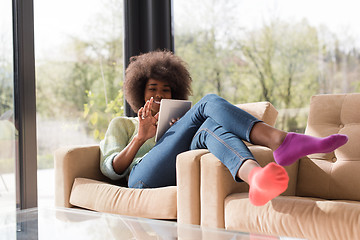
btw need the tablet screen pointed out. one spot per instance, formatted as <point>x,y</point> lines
<point>170,109</point>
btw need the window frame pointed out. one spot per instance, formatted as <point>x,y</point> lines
<point>25,104</point>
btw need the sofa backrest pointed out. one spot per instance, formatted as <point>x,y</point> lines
<point>334,175</point>
<point>264,111</point>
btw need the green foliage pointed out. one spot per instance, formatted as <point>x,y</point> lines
<point>85,83</point>
<point>6,99</point>
<point>45,161</point>
<point>279,62</point>
<point>6,86</point>
<point>98,117</point>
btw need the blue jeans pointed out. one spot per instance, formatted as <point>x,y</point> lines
<point>212,123</point>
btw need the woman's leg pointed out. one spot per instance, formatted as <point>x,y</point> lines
<point>158,167</point>
<point>265,183</point>
<point>289,147</point>
<point>226,146</point>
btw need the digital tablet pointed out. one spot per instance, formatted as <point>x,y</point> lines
<point>170,109</point>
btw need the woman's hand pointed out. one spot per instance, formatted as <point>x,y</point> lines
<point>147,130</point>
<point>147,122</point>
<point>173,121</point>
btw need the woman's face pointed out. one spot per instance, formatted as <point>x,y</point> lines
<point>158,90</point>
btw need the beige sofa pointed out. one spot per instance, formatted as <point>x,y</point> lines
<point>79,182</point>
<point>323,197</point>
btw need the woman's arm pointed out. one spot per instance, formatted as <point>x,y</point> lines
<point>147,130</point>
<point>123,160</point>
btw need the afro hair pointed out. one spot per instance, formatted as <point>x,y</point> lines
<point>159,65</point>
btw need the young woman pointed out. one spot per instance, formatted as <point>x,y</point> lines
<point>129,149</point>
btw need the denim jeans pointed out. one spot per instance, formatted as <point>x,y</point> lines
<point>212,123</point>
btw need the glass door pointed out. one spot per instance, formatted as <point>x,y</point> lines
<point>79,70</point>
<point>8,131</point>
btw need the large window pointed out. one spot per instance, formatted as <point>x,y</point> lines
<point>8,131</point>
<point>279,51</point>
<point>79,71</point>
<point>246,51</point>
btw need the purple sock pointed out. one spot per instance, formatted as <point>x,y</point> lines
<point>297,145</point>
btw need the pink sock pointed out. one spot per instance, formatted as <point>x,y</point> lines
<point>267,183</point>
<point>297,145</point>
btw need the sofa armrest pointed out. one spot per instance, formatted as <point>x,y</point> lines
<point>188,184</point>
<point>73,162</point>
<point>217,183</point>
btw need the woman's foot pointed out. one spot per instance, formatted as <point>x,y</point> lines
<point>267,183</point>
<point>297,145</point>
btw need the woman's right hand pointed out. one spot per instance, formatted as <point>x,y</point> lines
<point>147,122</point>
<point>147,130</point>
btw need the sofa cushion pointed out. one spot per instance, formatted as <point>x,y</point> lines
<point>157,203</point>
<point>333,175</point>
<point>298,217</point>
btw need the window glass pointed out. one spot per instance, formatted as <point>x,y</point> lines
<point>79,71</point>
<point>8,131</point>
<point>270,50</point>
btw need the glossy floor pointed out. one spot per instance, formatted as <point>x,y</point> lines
<point>63,223</point>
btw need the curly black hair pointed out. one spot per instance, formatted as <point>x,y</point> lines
<point>159,65</point>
